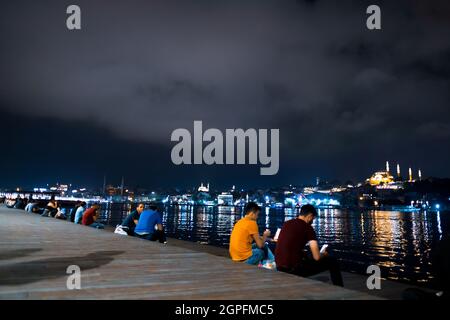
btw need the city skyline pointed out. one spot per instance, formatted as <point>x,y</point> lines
<point>395,175</point>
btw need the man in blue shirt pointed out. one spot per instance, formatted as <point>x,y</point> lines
<point>79,213</point>
<point>149,226</point>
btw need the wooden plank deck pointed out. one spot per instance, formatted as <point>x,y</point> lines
<point>392,290</point>
<point>35,253</point>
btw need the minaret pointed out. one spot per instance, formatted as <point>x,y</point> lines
<point>387,166</point>
<point>398,170</point>
<point>410,174</point>
<point>420,175</point>
<point>104,185</point>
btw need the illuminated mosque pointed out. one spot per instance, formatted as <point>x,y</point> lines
<point>385,177</point>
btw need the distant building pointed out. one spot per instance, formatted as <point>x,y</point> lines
<point>225,199</point>
<point>202,188</point>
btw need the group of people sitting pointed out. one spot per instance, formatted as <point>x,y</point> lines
<point>246,244</point>
<point>291,256</point>
<point>80,213</point>
<point>144,223</point>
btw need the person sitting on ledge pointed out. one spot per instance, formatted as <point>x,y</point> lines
<point>20,203</point>
<point>150,226</point>
<point>79,213</point>
<point>51,209</point>
<point>61,214</point>
<point>245,232</point>
<point>32,207</point>
<point>289,253</point>
<point>90,217</point>
<point>73,211</point>
<point>130,222</point>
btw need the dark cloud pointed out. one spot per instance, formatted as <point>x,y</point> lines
<point>140,69</point>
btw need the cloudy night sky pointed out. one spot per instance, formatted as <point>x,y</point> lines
<point>75,105</point>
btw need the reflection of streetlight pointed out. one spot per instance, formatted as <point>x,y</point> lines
<point>438,206</point>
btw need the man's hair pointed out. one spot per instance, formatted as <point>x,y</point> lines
<point>153,207</point>
<point>307,209</point>
<point>251,207</point>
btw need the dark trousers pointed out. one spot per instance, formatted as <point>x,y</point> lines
<point>310,267</point>
<point>158,235</point>
<point>130,231</point>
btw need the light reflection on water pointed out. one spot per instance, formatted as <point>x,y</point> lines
<point>399,242</point>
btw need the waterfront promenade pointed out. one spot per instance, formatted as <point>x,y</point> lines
<point>35,253</point>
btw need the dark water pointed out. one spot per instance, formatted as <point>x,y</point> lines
<point>399,242</point>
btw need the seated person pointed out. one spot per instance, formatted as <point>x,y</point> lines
<point>290,256</point>
<point>61,214</point>
<point>73,211</point>
<point>52,208</point>
<point>10,202</point>
<point>90,217</point>
<point>130,222</point>
<point>32,207</point>
<point>19,204</point>
<point>79,213</point>
<point>245,232</point>
<point>149,226</point>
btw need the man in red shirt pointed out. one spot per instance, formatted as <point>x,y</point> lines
<point>90,217</point>
<point>290,256</point>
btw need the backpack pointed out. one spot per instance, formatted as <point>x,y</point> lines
<point>120,230</point>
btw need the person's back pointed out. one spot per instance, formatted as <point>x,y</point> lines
<point>18,204</point>
<point>289,253</point>
<point>246,245</point>
<point>51,208</point>
<point>79,214</point>
<point>294,236</point>
<point>29,207</point>
<point>147,222</point>
<point>89,216</point>
<point>52,204</point>
<point>242,238</point>
<point>73,212</point>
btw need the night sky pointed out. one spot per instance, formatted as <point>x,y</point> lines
<point>76,105</point>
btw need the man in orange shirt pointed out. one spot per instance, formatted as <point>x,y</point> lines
<point>244,233</point>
